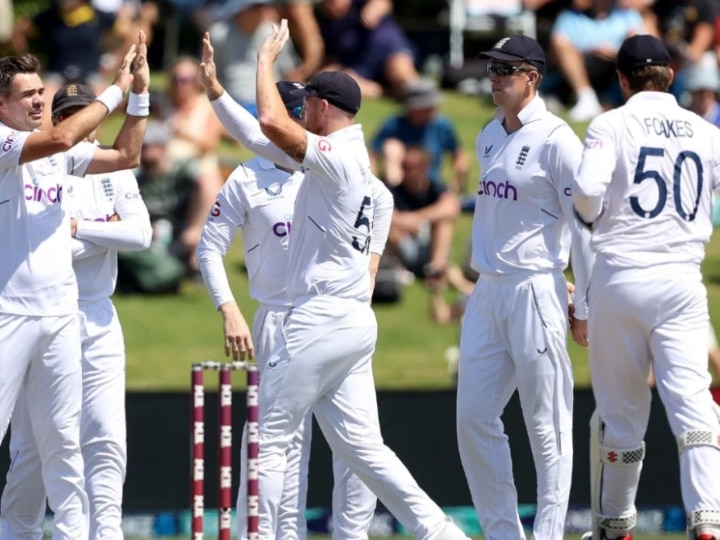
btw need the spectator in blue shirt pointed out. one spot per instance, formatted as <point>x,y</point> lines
<point>422,226</point>
<point>584,42</point>
<point>419,125</point>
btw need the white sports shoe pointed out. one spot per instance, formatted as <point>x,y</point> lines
<point>587,107</point>
<point>451,532</point>
<point>586,536</point>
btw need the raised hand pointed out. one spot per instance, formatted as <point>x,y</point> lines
<point>141,72</point>
<point>207,74</point>
<point>124,77</point>
<point>273,45</point>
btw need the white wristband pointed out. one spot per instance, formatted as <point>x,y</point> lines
<point>111,97</point>
<point>138,104</point>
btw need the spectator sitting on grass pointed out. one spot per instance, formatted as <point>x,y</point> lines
<point>420,125</point>
<point>422,226</point>
<point>178,199</point>
<point>584,43</point>
<point>363,39</point>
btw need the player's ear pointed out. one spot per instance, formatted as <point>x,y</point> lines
<point>671,76</point>
<point>533,78</point>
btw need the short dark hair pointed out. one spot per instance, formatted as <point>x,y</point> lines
<point>649,79</point>
<point>12,65</point>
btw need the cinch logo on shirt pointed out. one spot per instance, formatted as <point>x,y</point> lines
<point>9,142</point>
<point>52,195</point>
<point>282,228</point>
<point>502,190</point>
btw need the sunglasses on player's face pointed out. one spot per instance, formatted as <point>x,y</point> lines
<point>297,112</point>
<point>498,69</point>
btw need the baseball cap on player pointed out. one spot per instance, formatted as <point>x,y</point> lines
<point>337,88</point>
<point>517,48</point>
<point>640,51</point>
<point>72,95</point>
<point>287,93</point>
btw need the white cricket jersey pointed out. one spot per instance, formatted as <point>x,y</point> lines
<point>653,166</point>
<point>36,275</point>
<point>92,201</point>
<point>330,246</point>
<point>524,203</point>
<point>260,198</point>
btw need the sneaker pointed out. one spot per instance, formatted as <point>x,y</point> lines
<point>706,536</point>
<point>586,108</point>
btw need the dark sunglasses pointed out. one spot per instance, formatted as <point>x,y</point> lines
<point>182,79</point>
<point>297,112</point>
<point>499,69</point>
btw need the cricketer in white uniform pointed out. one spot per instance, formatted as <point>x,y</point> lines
<point>107,214</point>
<point>646,180</point>
<point>515,325</point>
<point>39,327</point>
<point>323,361</point>
<point>259,198</point>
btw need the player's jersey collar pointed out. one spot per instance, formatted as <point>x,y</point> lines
<point>535,110</point>
<point>349,133</point>
<point>656,97</point>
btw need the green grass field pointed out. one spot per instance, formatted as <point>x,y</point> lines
<point>164,335</point>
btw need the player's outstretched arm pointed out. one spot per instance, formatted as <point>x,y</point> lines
<point>275,122</point>
<point>242,126</point>
<point>125,151</point>
<point>77,127</point>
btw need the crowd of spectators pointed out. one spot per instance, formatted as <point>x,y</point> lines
<point>416,150</point>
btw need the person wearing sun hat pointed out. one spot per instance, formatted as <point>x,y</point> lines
<point>420,123</point>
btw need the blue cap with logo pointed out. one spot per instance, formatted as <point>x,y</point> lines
<point>337,88</point>
<point>640,51</point>
<point>518,49</point>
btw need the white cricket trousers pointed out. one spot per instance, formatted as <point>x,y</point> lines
<point>652,315</point>
<point>514,336</point>
<point>40,356</point>
<point>353,503</point>
<point>102,437</point>
<point>323,363</point>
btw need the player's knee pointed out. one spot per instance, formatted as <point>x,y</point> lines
<point>472,423</point>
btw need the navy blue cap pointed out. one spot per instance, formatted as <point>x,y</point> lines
<point>516,49</point>
<point>287,93</point>
<point>640,51</point>
<point>338,88</point>
<point>72,95</point>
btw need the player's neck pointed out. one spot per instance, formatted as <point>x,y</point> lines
<point>335,124</point>
<point>511,114</point>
